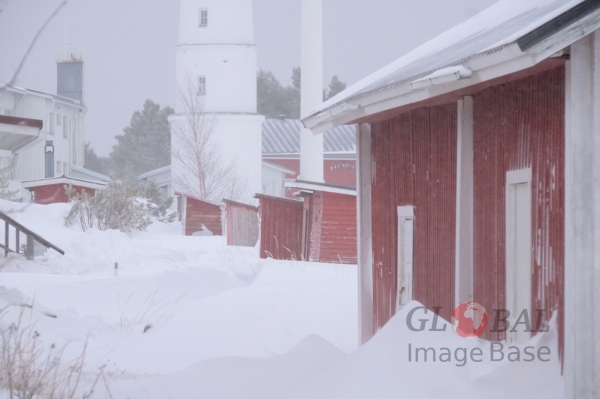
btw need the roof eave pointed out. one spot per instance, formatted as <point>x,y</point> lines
<point>509,59</point>
<point>484,67</point>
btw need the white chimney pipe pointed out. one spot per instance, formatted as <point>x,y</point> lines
<point>311,146</point>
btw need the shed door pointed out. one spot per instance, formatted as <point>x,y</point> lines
<point>518,253</point>
<point>406,222</point>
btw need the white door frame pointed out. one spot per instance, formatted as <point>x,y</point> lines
<point>518,227</point>
<point>404,285</point>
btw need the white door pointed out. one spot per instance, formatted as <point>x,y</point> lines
<point>406,221</point>
<point>518,254</point>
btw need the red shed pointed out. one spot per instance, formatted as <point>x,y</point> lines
<point>52,190</point>
<point>478,176</point>
<point>329,222</point>
<point>280,227</point>
<point>201,216</point>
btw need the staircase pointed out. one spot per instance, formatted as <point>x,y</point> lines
<point>28,248</point>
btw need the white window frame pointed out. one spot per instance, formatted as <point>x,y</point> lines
<point>513,179</point>
<point>58,170</point>
<point>201,85</point>
<point>203,17</point>
<point>65,127</point>
<point>405,256</point>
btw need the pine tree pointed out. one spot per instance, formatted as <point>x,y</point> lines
<point>93,162</point>
<point>145,144</point>
<point>336,86</point>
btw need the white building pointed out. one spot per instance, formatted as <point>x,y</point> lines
<point>216,55</point>
<point>62,151</point>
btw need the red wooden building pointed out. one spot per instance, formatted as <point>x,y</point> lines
<point>200,216</point>
<point>280,227</point>
<point>328,222</point>
<point>52,190</point>
<point>321,227</point>
<point>479,175</point>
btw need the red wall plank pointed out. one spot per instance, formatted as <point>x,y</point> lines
<point>199,213</point>
<point>280,227</point>
<point>519,125</point>
<point>414,158</point>
<point>55,193</point>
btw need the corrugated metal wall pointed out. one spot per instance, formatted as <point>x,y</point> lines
<point>242,224</point>
<point>280,227</point>
<point>519,125</point>
<point>333,228</point>
<point>199,213</point>
<point>414,163</point>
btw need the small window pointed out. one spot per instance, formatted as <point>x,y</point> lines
<point>65,127</point>
<point>203,17</point>
<point>58,120</point>
<point>201,85</point>
<point>58,167</point>
<point>51,123</point>
<point>65,168</point>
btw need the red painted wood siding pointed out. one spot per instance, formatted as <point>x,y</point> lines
<point>55,193</point>
<point>199,213</point>
<point>333,228</point>
<point>414,163</point>
<point>280,227</point>
<point>519,125</point>
<point>242,224</point>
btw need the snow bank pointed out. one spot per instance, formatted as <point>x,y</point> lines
<point>234,377</point>
<point>382,369</point>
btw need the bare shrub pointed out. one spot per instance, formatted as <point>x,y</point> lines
<point>29,370</point>
<point>114,208</point>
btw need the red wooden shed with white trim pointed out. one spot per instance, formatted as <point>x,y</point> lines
<point>478,175</point>
<point>52,190</point>
<point>200,216</point>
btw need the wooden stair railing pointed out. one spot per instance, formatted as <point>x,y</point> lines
<point>28,251</point>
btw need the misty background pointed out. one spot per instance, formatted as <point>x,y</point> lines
<point>130,55</point>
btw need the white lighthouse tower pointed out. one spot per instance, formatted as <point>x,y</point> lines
<point>216,55</point>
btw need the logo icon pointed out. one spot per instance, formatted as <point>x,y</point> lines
<point>469,319</point>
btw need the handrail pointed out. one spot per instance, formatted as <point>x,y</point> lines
<point>35,236</point>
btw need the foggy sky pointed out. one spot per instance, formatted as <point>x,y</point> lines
<point>130,56</point>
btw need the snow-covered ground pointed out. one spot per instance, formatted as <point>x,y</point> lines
<point>221,323</point>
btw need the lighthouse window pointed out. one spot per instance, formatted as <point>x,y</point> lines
<point>201,85</point>
<point>203,17</point>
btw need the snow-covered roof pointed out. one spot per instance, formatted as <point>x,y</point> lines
<point>278,168</point>
<point>65,181</point>
<point>155,172</point>
<point>80,170</point>
<point>22,90</point>
<point>282,136</point>
<point>507,31</point>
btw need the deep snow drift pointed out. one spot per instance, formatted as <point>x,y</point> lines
<point>221,323</point>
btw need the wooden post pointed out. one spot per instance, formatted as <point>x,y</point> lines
<point>464,204</point>
<point>17,250</point>
<point>29,252</point>
<point>5,238</point>
<point>582,220</point>
<point>366,326</point>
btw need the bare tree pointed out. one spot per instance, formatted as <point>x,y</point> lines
<point>198,154</point>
